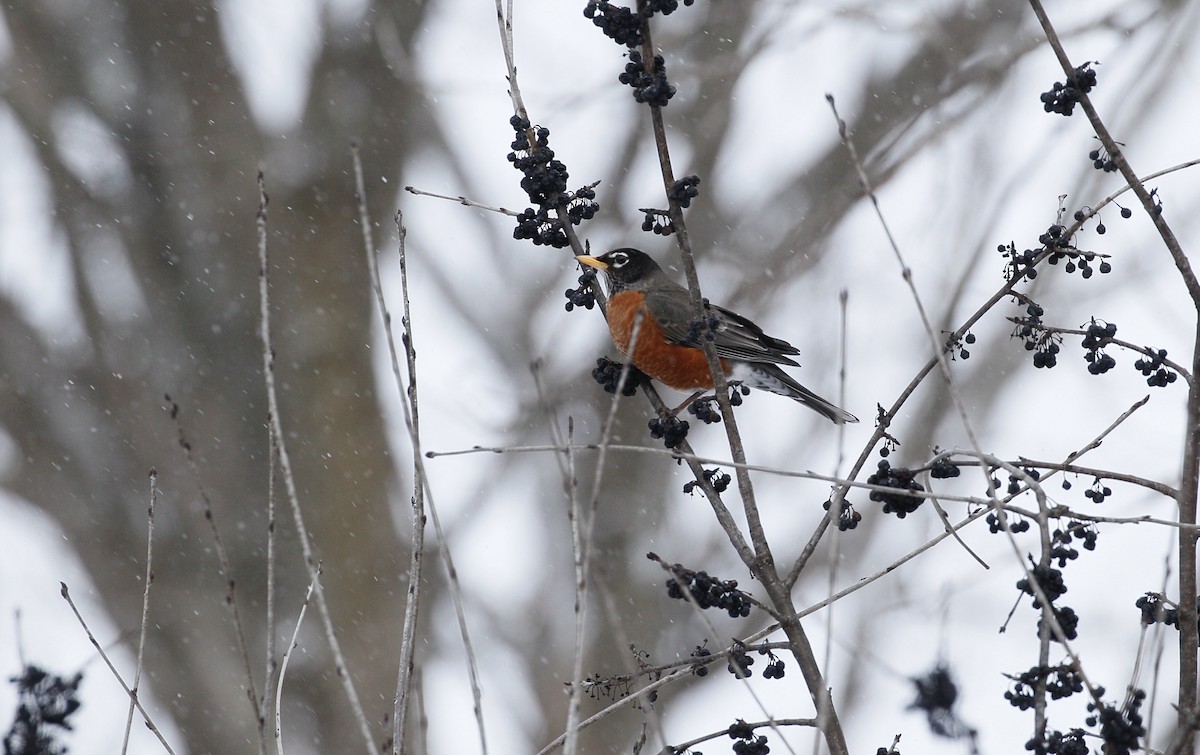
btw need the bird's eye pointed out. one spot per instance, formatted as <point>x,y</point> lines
<point>619,259</point>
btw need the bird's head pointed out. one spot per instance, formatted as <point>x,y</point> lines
<point>624,268</point>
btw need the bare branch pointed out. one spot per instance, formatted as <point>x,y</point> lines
<point>289,480</point>
<point>116,674</point>
<point>137,674</point>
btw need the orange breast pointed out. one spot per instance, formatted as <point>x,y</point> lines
<point>680,367</point>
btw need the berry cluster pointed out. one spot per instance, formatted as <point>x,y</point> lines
<point>610,687</point>
<point>708,592</point>
<point>746,743</point>
<point>608,373</point>
<point>1057,743</point>
<point>775,668</point>
<point>1062,97</point>
<point>1077,260</point>
<point>1079,531</point>
<point>1098,335</point>
<point>649,86</point>
<point>539,227</point>
<point>739,661</point>
<point>1097,492</point>
<point>1020,264</point>
<point>1157,609</point>
<point>1015,482</point>
<point>685,190</point>
<point>706,327</point>
<point>1044,344</point>
<point>1056,237</point>
<point>1101,160</point>
<point>620,24</point>
<point>1063,537</point>
<point>718,479</point>
<point>46,702</point>
<point>848,518</point>
<point>583,295</point>
<point>705,410</point>
<point>624,26</point>
<point>1062,551</point>
<point>1050,580</point>
<point>962,352</point>
<point>1151,367</point>
<point>936,695</point>
<point>665,7</point>
<point>936,692</point>
<point>1068,621</point>
<point>582,205</point>
<point>1061,682</point>
<point>900,478</point>
<point>1120,729</point>
<point>671,430</point>
<point>545,177</point>
<point>545,182</point>
<point>657,222</point>
<point>1015,524</point>
<point>1101,228</point>
<point>943,469</point>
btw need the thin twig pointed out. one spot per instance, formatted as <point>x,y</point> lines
<point>619,705</point>
<point>937,507</point>
<point>582,525</point>
<point>108,662</point>
<point>774,723</point>
<point>461,200</point>
<point>692,458</point>
<point>404,678</point>
<point>671,673</point>
<point>137,674</point>
<point>833,513</point>
<point>272,459</point>
<point>939,351</point>
<point>287,656</point>
<point>289,481</point>
<point>581,532</point>
<point>422,498</point>
<point>225,569</point>
<point>1158,645</point>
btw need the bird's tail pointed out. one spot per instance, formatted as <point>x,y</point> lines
<point>768,377</point>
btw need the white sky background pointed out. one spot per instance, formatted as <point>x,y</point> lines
<point>943,605</point>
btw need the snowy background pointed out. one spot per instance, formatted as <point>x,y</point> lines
<point>131,137</point>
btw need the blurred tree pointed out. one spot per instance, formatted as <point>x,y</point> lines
<point>88,415</point>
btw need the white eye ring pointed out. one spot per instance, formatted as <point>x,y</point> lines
<point>619,259</point>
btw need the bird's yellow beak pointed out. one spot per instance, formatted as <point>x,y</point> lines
<point>590,261</point>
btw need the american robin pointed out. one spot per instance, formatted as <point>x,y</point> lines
<point>667,346</point>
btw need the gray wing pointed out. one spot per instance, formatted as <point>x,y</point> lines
<point>736,337</point>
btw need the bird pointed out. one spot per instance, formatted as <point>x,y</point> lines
<point>668,340</point>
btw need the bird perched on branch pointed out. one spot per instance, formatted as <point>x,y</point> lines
<point>668,338</point>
